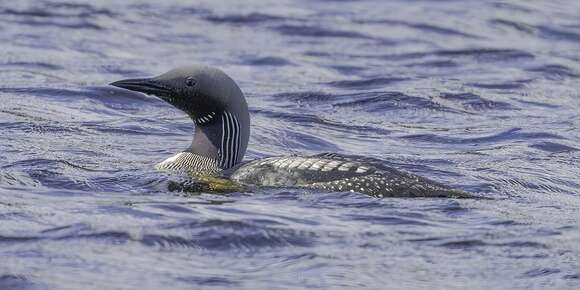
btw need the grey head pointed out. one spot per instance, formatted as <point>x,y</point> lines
<point>214,102</point>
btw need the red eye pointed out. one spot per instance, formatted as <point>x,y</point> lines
<point>190,82</point>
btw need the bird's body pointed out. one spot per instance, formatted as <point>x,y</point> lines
<point>332,172</point>
<point>328,172</point>
<point>219,110</point>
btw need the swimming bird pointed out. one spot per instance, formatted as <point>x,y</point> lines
<point>220,114</point>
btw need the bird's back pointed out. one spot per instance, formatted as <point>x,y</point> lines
<point>333,172</point>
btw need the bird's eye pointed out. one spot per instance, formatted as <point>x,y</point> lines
<point>190,82</point>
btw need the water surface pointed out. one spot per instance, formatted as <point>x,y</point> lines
<point>481,95</point>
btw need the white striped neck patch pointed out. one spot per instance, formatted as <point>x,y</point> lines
<point>205,118</point>
<point>230,142</point>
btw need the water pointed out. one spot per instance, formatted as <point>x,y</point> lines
<point>481,95</point>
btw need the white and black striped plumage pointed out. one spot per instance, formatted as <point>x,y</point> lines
<point>230,142</point>
<point>193,164</point>
<point>227,156</point>
<point>332,172</point>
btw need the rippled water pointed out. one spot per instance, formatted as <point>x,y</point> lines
<point>481,95</point>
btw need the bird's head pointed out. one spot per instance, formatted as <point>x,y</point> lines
<point>214,102</point>
<point>202,92</point>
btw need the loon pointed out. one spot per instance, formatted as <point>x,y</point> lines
<point>220,113</point>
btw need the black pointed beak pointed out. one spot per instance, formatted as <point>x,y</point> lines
<point>146,86</point>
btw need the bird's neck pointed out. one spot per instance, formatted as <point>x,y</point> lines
<point>220,137</point>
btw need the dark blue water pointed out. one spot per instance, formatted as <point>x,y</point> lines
<point>481,95</point>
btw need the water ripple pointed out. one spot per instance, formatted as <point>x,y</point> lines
<point>513,134</point>
<point>423,27</point>
<point>251,18</point>
<point>555,72</point>
<point>366,83</point>
<point>314,31</point>
<point>474,102</point>
<point>553,147</point>
<point>478,54</point>
<point>9,281</point>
